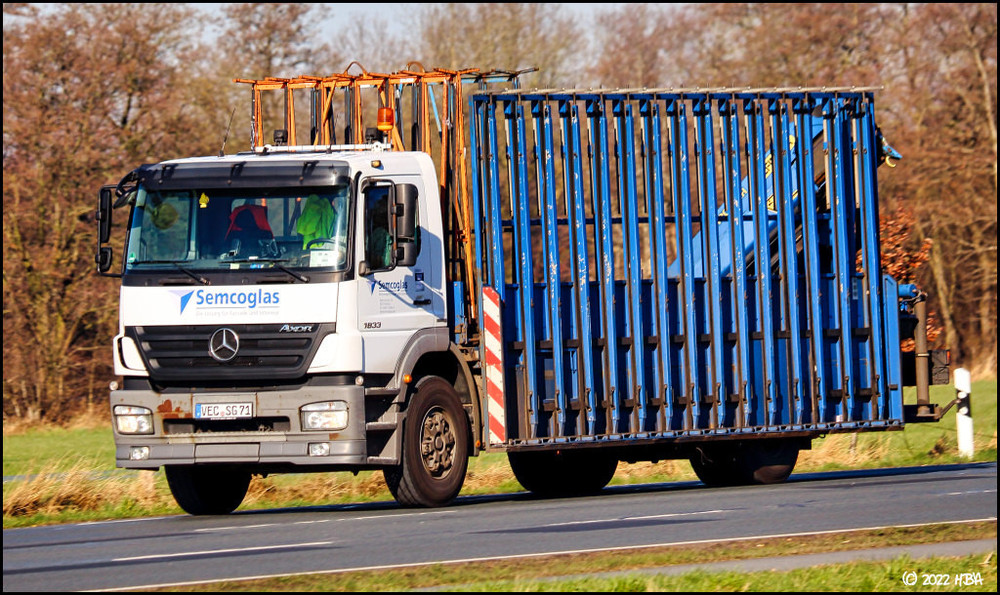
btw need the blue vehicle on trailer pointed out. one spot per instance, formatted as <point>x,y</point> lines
<point>575,278</point>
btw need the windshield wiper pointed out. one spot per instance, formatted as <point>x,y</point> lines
<point>285,269</point>
<point>276,262</point>
<point>191,273</point>
<point>180,267</point>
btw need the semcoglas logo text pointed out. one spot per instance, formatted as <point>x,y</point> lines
<point>390,286</point>
<point>229,299</point>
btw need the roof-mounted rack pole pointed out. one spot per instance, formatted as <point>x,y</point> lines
<point>452,148</point>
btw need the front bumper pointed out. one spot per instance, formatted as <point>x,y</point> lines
<point>272,439</point>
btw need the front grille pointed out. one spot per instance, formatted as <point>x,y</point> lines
<point>181,353</point>
<point>203,426</point>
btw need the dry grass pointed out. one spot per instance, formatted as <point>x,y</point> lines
<point>80,489</point>
<point>485,477</point>
<point>672,470</point>
<point>842,449</point>
<point>87,419</point>
<point>321,488</point>
<point>13,426</point>
<point>90,419</point>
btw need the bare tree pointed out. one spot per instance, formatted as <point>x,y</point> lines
<point>935,65</point>
<point>85,97</point>
<point>502,36</point>
<point>259,40</point>
<point>370,43</point>
<point>780,45</point>
<point>944,92</point>
<point>651,45</point>
<point>279,40</point>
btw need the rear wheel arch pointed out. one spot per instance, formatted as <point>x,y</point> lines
<point>451,366</point>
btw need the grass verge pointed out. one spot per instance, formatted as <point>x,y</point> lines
<point>854,577</point>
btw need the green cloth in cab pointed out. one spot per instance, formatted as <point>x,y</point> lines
<point>316,221</point>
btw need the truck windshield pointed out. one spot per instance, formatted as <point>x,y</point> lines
<point>232,229</point>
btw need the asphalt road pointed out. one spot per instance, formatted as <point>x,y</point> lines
<point>183,549</point>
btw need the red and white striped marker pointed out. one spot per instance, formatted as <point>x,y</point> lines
<point>493,366</point>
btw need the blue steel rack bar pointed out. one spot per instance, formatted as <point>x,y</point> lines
<point>675,263</point>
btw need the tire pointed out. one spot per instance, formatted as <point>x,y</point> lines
<point>771,461</point>
<point>562,473</point>
<point>435,448</point>
<point>207,490</point>
<point>759,462</point>
<point>717,467</point>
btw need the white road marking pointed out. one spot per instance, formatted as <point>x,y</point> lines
<point>633,518</point>
<point>234,528</point>
<point>321,521</point>
<point>971,492</point>
<point>263,548</point>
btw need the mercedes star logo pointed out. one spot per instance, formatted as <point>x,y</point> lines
<point>224,344</point>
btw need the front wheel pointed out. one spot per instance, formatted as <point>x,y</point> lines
<point>204,490</point>
<point>435,447</point>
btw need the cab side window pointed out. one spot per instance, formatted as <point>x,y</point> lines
<point>378,234</point>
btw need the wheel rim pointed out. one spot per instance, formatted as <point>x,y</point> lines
<point>437,443</point>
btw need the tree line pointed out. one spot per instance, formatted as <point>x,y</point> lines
<point>92,90</point>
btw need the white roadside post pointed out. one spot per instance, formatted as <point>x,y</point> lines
<point>963,417</point>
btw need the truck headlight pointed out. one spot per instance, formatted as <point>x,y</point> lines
<point>331,415</point>
<point>133,420</point>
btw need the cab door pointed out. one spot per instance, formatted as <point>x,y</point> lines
<point>395,299</point>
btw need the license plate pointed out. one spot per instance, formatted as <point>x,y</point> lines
<point>223,410</point>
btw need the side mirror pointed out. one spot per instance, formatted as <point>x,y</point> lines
<point>406,254</point>
<point>405,211</point>
<point>104,208</point>
<point>104,214</point>
<point>104,259</point>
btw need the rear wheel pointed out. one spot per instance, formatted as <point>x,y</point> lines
<point>205,490</point>
<point>435,447</point>
<point>771,461</point>
<point>759,462</point>
<point>717,467</point>
<point>562,473</point>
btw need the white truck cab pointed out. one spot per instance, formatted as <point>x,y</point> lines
<point>273,305</point>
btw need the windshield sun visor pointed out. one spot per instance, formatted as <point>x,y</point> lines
<point>242,174</point>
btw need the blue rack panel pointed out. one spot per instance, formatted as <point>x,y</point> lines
<point>685,263</point>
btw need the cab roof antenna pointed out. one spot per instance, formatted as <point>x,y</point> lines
<point>222,151</point>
